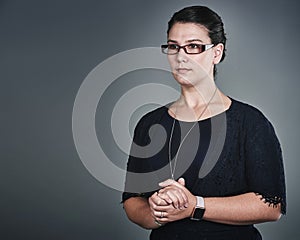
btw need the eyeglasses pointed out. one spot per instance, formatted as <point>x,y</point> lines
<point>191,48</point>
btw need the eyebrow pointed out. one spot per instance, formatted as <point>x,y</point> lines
<point>189,41</point>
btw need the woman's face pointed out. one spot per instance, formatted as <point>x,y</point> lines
<point>190,69</point>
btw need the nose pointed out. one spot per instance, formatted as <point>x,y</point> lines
<point>181,56</point>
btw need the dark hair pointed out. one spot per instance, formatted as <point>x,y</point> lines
<point>203,16</point>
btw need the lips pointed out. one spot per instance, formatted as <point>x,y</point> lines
<point>183,70</point>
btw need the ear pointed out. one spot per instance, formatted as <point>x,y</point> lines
<point>218,53</point>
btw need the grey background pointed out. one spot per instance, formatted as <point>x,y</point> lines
<point>46,50</point>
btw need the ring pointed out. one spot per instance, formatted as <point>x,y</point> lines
<point>158,223</point>
<point>161,214</point>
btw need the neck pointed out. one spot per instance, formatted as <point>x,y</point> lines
<point>197,96</point>
<point>199,102</point>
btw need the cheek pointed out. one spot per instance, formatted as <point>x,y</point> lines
<point>172,60</point>
<point>203,61</point>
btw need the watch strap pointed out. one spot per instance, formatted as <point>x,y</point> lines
<point>200,202</point>
<point>199,209</point>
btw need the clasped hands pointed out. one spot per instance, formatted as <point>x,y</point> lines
<point>172,202</point>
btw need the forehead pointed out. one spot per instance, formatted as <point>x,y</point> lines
<point>182,32</point>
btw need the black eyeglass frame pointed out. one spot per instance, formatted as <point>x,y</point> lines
<point>203,48</point>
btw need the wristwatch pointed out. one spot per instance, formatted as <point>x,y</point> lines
<point>199,209</point>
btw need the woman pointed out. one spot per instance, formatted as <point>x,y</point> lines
<point>243,183</point>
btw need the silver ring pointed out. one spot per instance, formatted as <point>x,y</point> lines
<point>158,223</point>
<point>161,214</point>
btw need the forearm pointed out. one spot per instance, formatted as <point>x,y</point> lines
<point>138,211</point>
<point>242,209</point>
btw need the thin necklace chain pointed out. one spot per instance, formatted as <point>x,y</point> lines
<point>172,169</point>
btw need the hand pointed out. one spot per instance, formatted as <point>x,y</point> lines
<point>173,202</point>
<point>173,193</point>
<point>158,208</point>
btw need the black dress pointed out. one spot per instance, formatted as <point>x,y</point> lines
<point>229,154</point>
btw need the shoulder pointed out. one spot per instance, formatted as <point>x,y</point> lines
<point>142,129</point>
<point>252,121</point>
<point>150,118</point>
<point>248,113</point>
<point>153,116</point>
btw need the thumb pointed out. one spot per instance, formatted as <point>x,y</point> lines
<point>181,181</point>
<point>166,183</point>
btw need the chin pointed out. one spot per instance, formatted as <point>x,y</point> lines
<point>184,81</point>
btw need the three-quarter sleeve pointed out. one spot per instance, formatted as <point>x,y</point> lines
<point>264,162</point>
<point>138,183</point>
<point>134,164</point>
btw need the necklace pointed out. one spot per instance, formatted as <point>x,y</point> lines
<point>173,168</point>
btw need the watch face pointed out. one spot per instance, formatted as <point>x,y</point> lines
<point>198,214</point>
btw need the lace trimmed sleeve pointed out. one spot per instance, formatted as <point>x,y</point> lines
<point>264,162</point>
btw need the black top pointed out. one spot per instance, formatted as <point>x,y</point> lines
<point>229,154</point>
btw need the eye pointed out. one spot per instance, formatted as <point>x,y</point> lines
<point>172,46</point>
<point>193,46</point>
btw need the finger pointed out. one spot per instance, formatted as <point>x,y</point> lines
<point>162,220</point>
<point>178,197</point>
<point>152,205</point>
<point>178,191</point>
<point>165,198</point>
<point>151,200</point>
<point>168,208</point>
<point>175,195</point>
<point>181,181</point>
<point>171,182</point>
<point>157,200</point>
<point>159,215</point>
<point>166,183</point>
<point>170,197</point>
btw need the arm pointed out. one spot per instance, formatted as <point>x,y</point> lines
<point>138,211</point>
<point>242,209</point>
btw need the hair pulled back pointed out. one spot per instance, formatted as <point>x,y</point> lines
<point>203,16</point>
